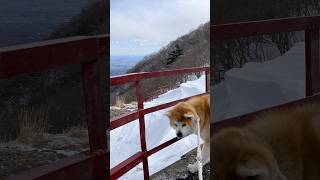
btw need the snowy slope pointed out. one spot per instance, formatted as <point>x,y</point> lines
<point>125,141</point>
<point>260,85</point>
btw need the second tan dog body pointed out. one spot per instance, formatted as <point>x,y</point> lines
<point>280,144</point>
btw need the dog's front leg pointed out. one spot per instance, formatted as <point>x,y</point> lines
<point>205,153</point>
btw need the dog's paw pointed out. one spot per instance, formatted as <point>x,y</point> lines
<point>192,168</point>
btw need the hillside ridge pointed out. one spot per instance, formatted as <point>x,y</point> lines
<point>195,47</point>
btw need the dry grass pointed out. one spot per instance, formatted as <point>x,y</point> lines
<point>79,132</point>
<point>120,101</point>
<point>4,138</point>
<point>33,124</point>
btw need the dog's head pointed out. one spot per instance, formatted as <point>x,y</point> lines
<point>182,118</point>
<point>239,155</point>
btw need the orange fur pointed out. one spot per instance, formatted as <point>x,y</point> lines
<point>199,105</point>
<point>196,106</point>
<point>287,139</point>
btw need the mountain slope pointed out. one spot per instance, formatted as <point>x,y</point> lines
<point>196,52</point>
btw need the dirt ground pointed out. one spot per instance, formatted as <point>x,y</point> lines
<point>15,160</point>
<point>17,157</point>
<point>178,170</point>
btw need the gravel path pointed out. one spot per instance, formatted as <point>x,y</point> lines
<point>178,170</point>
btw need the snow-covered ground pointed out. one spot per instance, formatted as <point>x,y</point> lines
<point>260,85</point>
<point>125,141</point>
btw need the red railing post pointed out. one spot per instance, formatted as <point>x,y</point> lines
<point>312,68</point>
<point>207,72</point>
<point>96,115</point>
<point>142,129</point>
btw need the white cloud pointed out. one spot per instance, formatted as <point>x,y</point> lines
<point>154,22</point>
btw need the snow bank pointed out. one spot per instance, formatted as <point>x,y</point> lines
<point>125,141</point>
<point>260,85</point>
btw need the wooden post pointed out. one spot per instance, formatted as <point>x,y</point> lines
<point>312,61</point>
<point>207,72</point>
<point>93,75</point>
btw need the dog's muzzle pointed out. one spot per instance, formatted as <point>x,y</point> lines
<point>179,135</point>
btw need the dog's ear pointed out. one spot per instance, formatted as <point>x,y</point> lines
<point>252,168</point>
<point>188,116</point>
<point>168,114</point>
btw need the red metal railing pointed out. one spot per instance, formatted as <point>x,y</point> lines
<point>88,51</point>
<point>143,155</point>
<point>310,25</point>
<point>91,53</point>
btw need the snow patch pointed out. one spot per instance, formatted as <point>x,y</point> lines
<point>260,85</point>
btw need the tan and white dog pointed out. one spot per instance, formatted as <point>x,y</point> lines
<point>282,144</point>
<point>183,118</point>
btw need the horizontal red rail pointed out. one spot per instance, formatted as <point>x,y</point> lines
<point>244,119</point>
<point>124,167</point>
<point>161,146</point>
<point>127,118</point>
<point>132,77</point>
<point>254,28</point>
<point>35,57</point>
<point>80,166</point>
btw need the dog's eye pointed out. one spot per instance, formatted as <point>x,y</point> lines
<point>183,125</point>
<point>176,124</point>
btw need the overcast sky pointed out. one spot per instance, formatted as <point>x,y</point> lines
<point>140,27</point>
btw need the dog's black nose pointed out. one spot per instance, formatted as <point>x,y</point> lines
<point>179,134</point>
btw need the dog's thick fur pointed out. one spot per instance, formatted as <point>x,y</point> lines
<point>183,119</point>
<point>279,144</point>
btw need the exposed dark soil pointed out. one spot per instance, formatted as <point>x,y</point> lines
<point>14,160</point>
<point>17,157</point>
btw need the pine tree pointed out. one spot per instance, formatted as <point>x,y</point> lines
<point>173,55</point>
